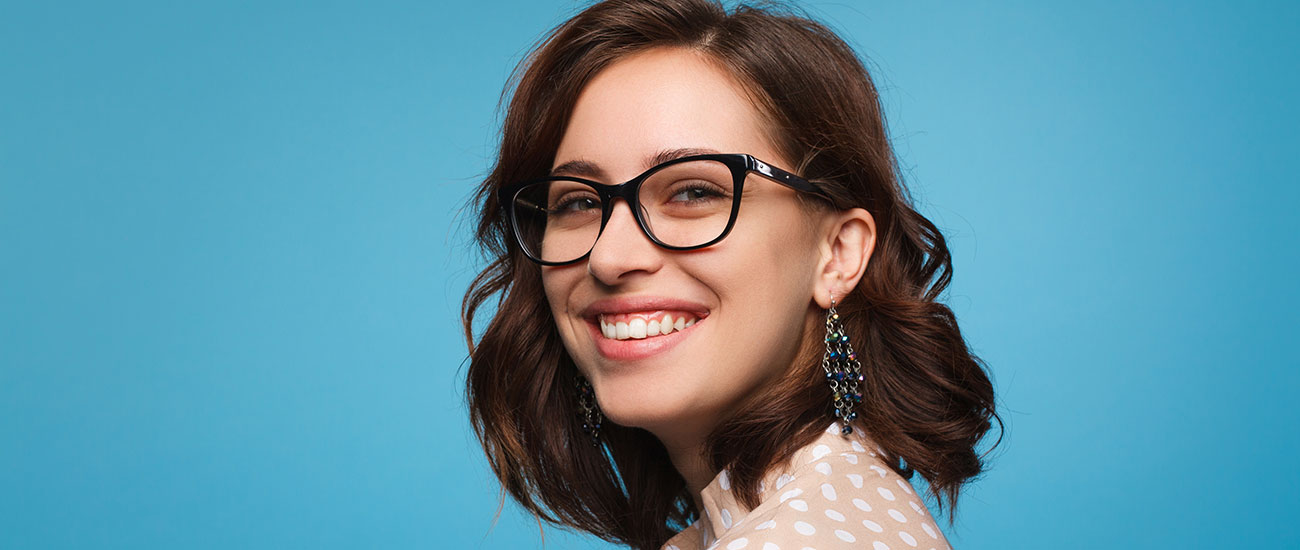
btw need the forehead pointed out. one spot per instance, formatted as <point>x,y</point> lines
<point>657,100</point>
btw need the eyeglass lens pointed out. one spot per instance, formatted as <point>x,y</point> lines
<point>684,204</point>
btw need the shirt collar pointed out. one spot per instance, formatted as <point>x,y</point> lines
<point>721,509</point>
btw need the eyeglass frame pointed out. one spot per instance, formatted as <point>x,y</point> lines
<point>740,164</point>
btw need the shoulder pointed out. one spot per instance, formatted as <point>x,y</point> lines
<point>835,497</point>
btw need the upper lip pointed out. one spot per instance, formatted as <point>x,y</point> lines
<point>634,304</point>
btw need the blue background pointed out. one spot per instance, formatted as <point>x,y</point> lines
<point>231,265</point>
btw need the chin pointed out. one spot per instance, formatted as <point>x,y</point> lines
<point>640,407</point>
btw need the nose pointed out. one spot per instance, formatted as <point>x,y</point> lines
<point>622,248</point>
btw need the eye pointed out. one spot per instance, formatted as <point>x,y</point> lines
<point>575,203</point>
<point>696,192</point>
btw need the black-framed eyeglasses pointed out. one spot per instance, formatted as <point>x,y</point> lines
<point>683,204</point>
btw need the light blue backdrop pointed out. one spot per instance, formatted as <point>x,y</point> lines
<point>230,265</point>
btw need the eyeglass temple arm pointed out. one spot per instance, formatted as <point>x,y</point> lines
<point>784,178</point>
<point>536,207</point>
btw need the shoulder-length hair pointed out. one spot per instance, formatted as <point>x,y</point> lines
<point>927,400</point>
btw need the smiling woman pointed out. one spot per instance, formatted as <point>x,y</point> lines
<point>718,321</point>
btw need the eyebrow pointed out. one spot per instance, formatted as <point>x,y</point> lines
<point>587,169</point>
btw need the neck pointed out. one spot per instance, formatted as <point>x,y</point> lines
<point>686,450</point>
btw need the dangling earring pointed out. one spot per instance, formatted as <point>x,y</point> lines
<point>843,371</point>
<point>588,410</point>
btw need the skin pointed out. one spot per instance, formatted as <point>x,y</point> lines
<point>766,286</point>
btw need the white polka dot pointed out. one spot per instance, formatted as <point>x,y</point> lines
<point>858,447</point>
<point>904,485</point>
<point>726,518</point>
<point>769,524</point>
<point>850,458</point>
<point>783,480</point>
<point>873,526</point>
<point>915,506</point>
<point>907,537</point>
<point>819,451</point>
<point>845,535</point>
<point>762,487</point>
<point>929,530</point>
<point>738,543</point>
<point>823,467</point>
<point>856,480</point>
<point>885,493</point>
<point>898,516</point>
<point>671,547</point>
<point>804,528</point>
<point>828,491</point>
<point>880,545</point>
<point>862,505</point>
<point>879,470</point>
<point>791,494</point>
<point>770,546</point>
<point>834,515</point>
<point>799,505</point>
<point>724,481</point>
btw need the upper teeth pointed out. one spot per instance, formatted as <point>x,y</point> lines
<point>640,327</point>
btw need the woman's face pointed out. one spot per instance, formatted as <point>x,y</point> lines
<point>747,298</point>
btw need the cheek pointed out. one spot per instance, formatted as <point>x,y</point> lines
<point>780,269</point>
<point>558,284</point>
<point>781,255</point>
<point>551,286</point>
<point>764,278</point>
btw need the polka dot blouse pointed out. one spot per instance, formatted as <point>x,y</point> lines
<point>836,493</point>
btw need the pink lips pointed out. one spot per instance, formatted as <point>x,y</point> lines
<point>632,349</point>
<point>635,304</point>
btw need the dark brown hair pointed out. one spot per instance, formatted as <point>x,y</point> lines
<point>926,400</point>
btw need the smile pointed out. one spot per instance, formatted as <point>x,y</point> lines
<point>628,326</point>
<point>633,328</point>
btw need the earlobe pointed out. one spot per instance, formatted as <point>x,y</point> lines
<point>848,243</point>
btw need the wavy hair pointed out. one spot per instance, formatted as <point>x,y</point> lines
<point>927,400</point>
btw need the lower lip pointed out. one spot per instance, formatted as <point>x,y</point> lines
<point>633,348</point>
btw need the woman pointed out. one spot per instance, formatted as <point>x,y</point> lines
<point>717,323</point>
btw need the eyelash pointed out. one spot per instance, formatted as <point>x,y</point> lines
<point>711,191</point>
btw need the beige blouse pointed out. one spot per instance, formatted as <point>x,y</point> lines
<point>836,493</point>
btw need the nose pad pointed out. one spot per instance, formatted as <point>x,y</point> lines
<point>622,247</point>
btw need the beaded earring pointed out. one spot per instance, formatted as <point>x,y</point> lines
<point>588,410</point>
<point>843,371</point>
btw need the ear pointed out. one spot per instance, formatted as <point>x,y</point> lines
<point>846,242</point>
